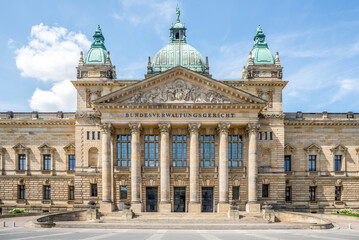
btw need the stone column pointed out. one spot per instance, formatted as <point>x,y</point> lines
<point>106,204</point>
<point>252,176</point>
<point>165,204</point>
<point>135,129</point>
<point>194,204</point>
<point>223,205</point>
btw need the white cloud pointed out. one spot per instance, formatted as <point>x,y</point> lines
<point>156,14</point>
<point>61,97</point>
<point>52,54</point>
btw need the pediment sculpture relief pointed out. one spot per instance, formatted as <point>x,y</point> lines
<point>179,92</point>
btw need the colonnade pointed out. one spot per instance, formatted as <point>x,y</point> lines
<point>165,203</point>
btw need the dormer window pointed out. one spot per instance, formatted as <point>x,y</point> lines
<point>177,36</point>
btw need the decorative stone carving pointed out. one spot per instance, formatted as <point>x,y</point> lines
<point>267,95</point>
<point>236,181</point>
<point>339,183</point>
<point>289,148</point>
<point>223,127</point>
<point>194,127</point>
<point>71,182</point>
<point>207,181</point>
<point>312,148</point>
<point>265,181</point>
<point>135,127</point>
<point>123,180</point>
<point>93,180</point>
<point>106,128</point>
<point>179,181</point>
<point>90,115</point>
<point>253,128</point>
<point>46,182</point>
<point>151,180</point>
<point>92,95</point>
<point>164,127</point>
<point>272,115</point>
<point>179,92</point>
<point>21,181</point>
<point>313,183</point>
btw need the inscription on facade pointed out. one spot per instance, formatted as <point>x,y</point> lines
<point>179,115</point>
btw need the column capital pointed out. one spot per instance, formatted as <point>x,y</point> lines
<point>194,127</point>
<point>223,127</point>
<point>164,126</point>
<point>135,127</point>
<point>106,128</point>
<point>253,128</point>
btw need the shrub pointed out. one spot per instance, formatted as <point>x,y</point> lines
<point>17,211</point>
<point>346,211</point>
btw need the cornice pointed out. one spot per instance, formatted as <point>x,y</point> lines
<point>321,123</point>
<point>93,83</point>
<point>37,122</point>
<point>183,106</point>
<point>266,83</point>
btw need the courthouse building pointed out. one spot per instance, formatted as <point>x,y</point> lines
<point>179,140</point>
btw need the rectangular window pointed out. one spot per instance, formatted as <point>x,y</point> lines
<point>123,150</point>
<point>47,192</point>
<point>88,135</point>
<point>265,136</point>
<point>288,193</point>
<point>260,135</point>
<point>312,162</point>
<point>235,153</point>
<point>72,162</point>
<point>235,193</point>
<point>93,135</point>
<point>265,190</point>
<point>123,193</point>
<point>271,136</point>
<point>179,151</point>
<point>312,194</point>
<point>94,190</point>
<point>337,162</point>
<point>338,193</point>
<point>22,162</point>
<point>151,150</point>
<point>99,135</point>
<point>21,191</point>
<point>47,162</point>
<point>71,193</point>
<point>287,163</point>
<point>207,150</point>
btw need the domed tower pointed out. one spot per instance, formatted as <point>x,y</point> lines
<point>177,53</point>
<point>94,73</point>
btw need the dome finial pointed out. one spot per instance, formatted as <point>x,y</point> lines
<point>178,13</point>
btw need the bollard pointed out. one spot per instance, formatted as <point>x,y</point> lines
<point>3,224</point>
<point>13,224</point>
<point>350,226</point>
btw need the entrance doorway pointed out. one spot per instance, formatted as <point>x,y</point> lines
<point>179,204</point>
<point>151,199</point>
<point>207,199</point>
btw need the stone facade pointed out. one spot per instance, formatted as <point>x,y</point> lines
<point>209,116</point>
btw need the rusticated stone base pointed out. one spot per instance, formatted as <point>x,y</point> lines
<point>194,207</point>
<point>136,207</point>
<point>253,207</point>
<point>165,207</point>
<point>106,207</point>
<point>222,207</point>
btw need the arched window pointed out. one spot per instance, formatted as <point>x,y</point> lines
<point>93,157</point>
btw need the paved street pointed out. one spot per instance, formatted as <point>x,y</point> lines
<point>94,234</point>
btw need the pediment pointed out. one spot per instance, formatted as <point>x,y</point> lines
<point>179,86</point>
<point>20,146</point>
<point>288,147</point>
<point>339,148</point>
<point>70,147</point>
<point>45,148</point>
<point>312,147</point>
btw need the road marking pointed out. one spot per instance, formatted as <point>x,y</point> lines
<point>47,236</point>
<point>102,236</point>
<point>156,236</point>
<point>262,236</point>
<point>209,236</point>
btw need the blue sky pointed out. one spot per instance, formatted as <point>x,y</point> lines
<point>317,41</point>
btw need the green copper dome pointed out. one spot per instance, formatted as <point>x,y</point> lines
<point>178,52</point>
<point>260,50</point>
<point>97,53</point>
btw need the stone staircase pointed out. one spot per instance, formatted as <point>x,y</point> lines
<point>183,219</point>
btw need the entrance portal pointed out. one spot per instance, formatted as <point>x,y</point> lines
<point>207,199</point>
<point>179,204</point>
<point>151,199</point>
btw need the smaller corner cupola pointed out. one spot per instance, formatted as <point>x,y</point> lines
<point>260,51</point>
<point>178,30</point>
<point>97,53</point>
